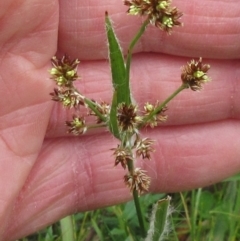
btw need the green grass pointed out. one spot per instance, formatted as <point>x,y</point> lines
<point>208,214</point>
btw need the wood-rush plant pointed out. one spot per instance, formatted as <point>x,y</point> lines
<point>122,116</point>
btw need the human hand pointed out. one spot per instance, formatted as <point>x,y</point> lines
<point>47,174</point>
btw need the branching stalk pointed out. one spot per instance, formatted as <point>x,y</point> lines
<point>94,126</point>
<point>93,107</point>
<point>132,44</point>
<point>164,103</point>
<point>139,212</point>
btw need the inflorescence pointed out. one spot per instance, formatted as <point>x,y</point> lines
<point>158,12</point>
<point>193,76</point>
<point>129,118</point>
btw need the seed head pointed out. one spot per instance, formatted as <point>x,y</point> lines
<point>159,117</point>
<point>76,126</point>
<point>122,155</point>
<point>127,117</point>
<point>159,12</point>
<point>64,70</point>
<point>68,97</point>
<point>194,74</point>
<point>139,181</point>
<point>144,147</point>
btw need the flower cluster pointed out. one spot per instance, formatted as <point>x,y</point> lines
<point>138,181</point>
<point>68,97</point>
<point>144,147</point>
<point>128,118</point>
<point>64,72</point>
<point>194,74</point>
<point>159,12</point>
<point>124,155</point>
<point>154,116</point>
<point>77,125</point>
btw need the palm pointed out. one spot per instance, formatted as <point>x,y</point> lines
<point>46,174</point>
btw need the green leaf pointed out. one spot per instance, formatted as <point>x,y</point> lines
<point>159,223</point>
<point>119,77</point>
<point>113,124</point>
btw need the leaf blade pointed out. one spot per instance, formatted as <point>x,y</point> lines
<point>159,223</point>
<point>117,64</point>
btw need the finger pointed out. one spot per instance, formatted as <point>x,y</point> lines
<point>210,30</point>
<point>23,108</point>
<point>77,174</point>
<point>154,77</point>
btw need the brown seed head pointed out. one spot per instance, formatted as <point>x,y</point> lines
<point>127,117</point>
<point>144,147</point>
<point>122,155</point>
<point>139,181</point>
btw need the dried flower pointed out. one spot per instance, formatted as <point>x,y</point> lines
<point>139,181</point>
<point>122,155</point>
<point>144,147</point>
<point>194,74</point>
<point>159,12</point>
<point>76,126</point>
<point>64,70</point>
<point>160,116</point>
<point>127,117</point>
<point>68,97</point>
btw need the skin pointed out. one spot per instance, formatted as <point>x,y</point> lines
<point>47,174</point>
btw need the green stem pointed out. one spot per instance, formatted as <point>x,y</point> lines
<point>164,103</point>
<point>139,212</point>
<point>93,126</point>
<point>93,106</point>
<point>132,44</point>
<point>67,229</point>
<point>137,202</point>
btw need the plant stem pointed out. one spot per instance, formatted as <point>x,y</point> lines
<point>96,126</point>
<point>139,212</point>
<point>137,202</point>
<point>164,103</point>
<point>93,107</point>
<point>132,44</point>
